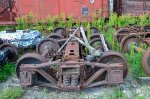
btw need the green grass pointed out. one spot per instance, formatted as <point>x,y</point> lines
<point>116,93</point>
<point>141,97</point>
<point>6,71</point>
<point>12,93</point>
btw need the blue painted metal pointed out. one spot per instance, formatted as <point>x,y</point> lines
<point>21,38</point>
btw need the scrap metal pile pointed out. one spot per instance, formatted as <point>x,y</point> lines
<point>66,60</point>
<point>133,37</point>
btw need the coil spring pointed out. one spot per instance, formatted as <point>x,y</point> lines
<point>74,80</point>
<point>66,80</point>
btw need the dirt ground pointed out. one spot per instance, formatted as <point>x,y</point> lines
<point>130,89</point>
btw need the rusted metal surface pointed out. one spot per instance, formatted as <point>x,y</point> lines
<point>114,57</point>
<point>146,61</point>
<point>132,39</point>
<point>68,68</point>
<point>61,31</point>
<point>8,23</point>
<point>132,7</point>
<point>7,14</point>
<point>142,31</point>
<point>29,59</point>
<point>47,47</point>
<point>128,40</point>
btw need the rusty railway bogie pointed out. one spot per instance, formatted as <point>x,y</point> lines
<point>133,40</point>
<point>66,66</point>
<point>114,76</point>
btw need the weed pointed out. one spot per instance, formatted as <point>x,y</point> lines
<point>113,19</point>
<point>116,93</point>
<point>134,60</point>
<point>6,71</point>
<point>144,20</point>
<point>141,97</point>
<point>12,93</point>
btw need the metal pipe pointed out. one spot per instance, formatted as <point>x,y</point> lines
<point>48,64</point>
<point>103,42</point>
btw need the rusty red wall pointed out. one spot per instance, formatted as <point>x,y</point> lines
<point>78,8</point>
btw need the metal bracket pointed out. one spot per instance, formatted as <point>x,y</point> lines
<point>115,76</point>
<point>26,78</point>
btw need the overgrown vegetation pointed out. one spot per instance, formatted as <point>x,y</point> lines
<point>134,60</point>
<point>6,71</point>
<point>108,28</point>
<point>12,93</point>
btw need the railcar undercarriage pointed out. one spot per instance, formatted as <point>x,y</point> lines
<point>66,60</point>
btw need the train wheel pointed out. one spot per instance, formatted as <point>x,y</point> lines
<point>47,47</point>
<point>61,31</point>
<point>114,57</point>
<point>56,36</point>
<point>94,33</point>
<point>146,61</point>
<point>13,51</point>
<point>29,58</point>
<point>128,40</point>
<point>94,36</point>
<point>94,30</point>
<point>121,33</point>
<point>96,43</point>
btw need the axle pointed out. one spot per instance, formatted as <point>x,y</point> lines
<point>132,41</point>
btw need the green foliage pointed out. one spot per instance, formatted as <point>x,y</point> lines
<point>113,19</point>
<point>12,93</point>
<point>99,22</point>
<point>117,93</point>
<point>144,20</point>
<point>6,71</point>
<point>141,97</point>
<point>134,59</point>
<point>125,20</point>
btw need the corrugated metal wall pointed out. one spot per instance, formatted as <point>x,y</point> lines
<point>133,7</point>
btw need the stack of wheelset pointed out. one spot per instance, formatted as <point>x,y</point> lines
<point>133,37</point>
